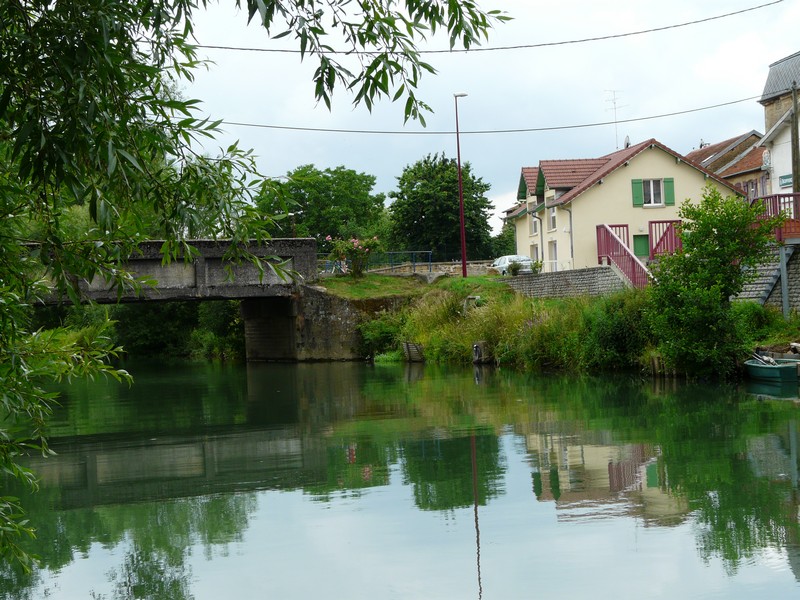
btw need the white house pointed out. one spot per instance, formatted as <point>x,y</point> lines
<point>571,211</point>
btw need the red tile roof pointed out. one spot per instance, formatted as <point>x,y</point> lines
<point>611,162</point>
<point>749,161</point>
<point>515,211</point>
<point>707,152</point>
<point>530,175</point>
<point>561,174</point>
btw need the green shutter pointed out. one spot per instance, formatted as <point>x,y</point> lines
<point>638,193</point>
<point>669,191</point>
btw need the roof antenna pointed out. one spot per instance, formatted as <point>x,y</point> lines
<point>613,101</point>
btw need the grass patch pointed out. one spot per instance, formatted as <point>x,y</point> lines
<point>485,286</point>
<point>372,286</point>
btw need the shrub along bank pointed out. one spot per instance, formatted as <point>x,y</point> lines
<point>622,331</point>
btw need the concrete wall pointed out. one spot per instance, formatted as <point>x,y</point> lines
<point>310,326</point>
<point>595,281</point>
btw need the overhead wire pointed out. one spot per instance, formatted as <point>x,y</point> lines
<point>501,48</point>
<point>504,48</point>
<point>488,131</point>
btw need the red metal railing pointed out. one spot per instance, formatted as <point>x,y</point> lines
<point>664,237</point>
<point>622,233</point>
<point>611,248</point>
<point>782,203</point>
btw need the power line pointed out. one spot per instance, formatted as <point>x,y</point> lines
<point>489,131</point>
<point>516,47</point>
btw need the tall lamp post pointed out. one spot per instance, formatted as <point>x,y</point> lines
<point>456,96</point>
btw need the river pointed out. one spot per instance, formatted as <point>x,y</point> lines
<point>354,481</point>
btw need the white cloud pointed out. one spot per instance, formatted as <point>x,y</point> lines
<point>674,70</point>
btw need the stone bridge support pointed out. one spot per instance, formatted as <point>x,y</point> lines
<point>270,326</point>
<point>310,325</point>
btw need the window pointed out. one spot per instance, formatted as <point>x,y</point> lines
<point>534,225</point>
<point>535,252</point>
<point>653,192</point>
<point>552,250</point>
<point>552,220</point>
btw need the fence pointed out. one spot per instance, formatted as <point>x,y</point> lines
<point>386,262</point>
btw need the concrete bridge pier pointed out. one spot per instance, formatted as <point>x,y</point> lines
<point>270,328</point>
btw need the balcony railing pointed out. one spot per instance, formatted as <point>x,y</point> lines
<point>611,249</point>
<point>664,238</point>
<point>782,203</point>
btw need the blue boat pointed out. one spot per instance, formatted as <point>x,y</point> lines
<point>783,371</point>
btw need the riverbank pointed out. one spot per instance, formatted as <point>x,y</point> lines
<point>579,334</point>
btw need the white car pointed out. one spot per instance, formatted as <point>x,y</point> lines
<point>502,263</point>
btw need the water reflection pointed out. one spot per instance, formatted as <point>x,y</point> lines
<point>179,461</point>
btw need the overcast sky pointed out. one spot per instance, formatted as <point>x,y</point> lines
<point>681,68</point>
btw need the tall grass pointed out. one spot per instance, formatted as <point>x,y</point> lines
<point>582,334</point>
<point>577,334</point>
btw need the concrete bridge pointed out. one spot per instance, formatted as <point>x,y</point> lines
<point>208,276</point>
<point>284,320</point>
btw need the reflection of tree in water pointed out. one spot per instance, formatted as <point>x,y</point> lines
<point>741,516</point>
<point>162,535</point>
<point>440,470</point>
<point>151,576</point>
<point>733,461</point>
<point>718,457</point>
<point>158,538</point>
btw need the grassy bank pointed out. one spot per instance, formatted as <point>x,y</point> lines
<point>580,334</point>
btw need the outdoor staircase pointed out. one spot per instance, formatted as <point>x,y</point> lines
<point>767,276</point>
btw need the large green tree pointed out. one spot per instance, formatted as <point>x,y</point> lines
<point>724,239</point>
<point>338,202</point>
<point>505,242</point>
<point>89,116</point>
<point>424,214</point>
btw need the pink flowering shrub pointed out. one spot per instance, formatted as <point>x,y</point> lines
<point>354,253</point>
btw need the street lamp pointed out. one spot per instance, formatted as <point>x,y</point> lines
<point>456,96</point>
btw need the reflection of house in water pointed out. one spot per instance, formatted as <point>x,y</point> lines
<point>775,457</point>
<point>587,476</point>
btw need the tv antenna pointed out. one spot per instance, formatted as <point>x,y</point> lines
<point>615,107</point>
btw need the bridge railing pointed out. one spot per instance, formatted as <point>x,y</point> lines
<point>382,262</point>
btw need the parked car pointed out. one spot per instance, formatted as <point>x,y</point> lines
<point>502,264</point>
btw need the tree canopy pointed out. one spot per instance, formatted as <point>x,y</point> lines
<point>338,202</point>
<point>724,239</point>
<point>90,117</point>
<point>424,214</point>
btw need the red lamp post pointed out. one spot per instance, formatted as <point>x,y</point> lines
<point>461,192</point>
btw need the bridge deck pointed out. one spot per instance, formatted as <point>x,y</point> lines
<point>208,276</point>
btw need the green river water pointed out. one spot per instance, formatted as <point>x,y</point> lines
<point>352,481</point>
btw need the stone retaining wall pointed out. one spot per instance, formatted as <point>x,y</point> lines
<point>593,281</point>
<point>775,297</point>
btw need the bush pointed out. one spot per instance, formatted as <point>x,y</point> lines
<point>155,329</point>
<point>220,331</point>
<point>380,334</point>
<point>617,333</point>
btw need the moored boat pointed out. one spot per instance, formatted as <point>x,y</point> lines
<point>783,371</point>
